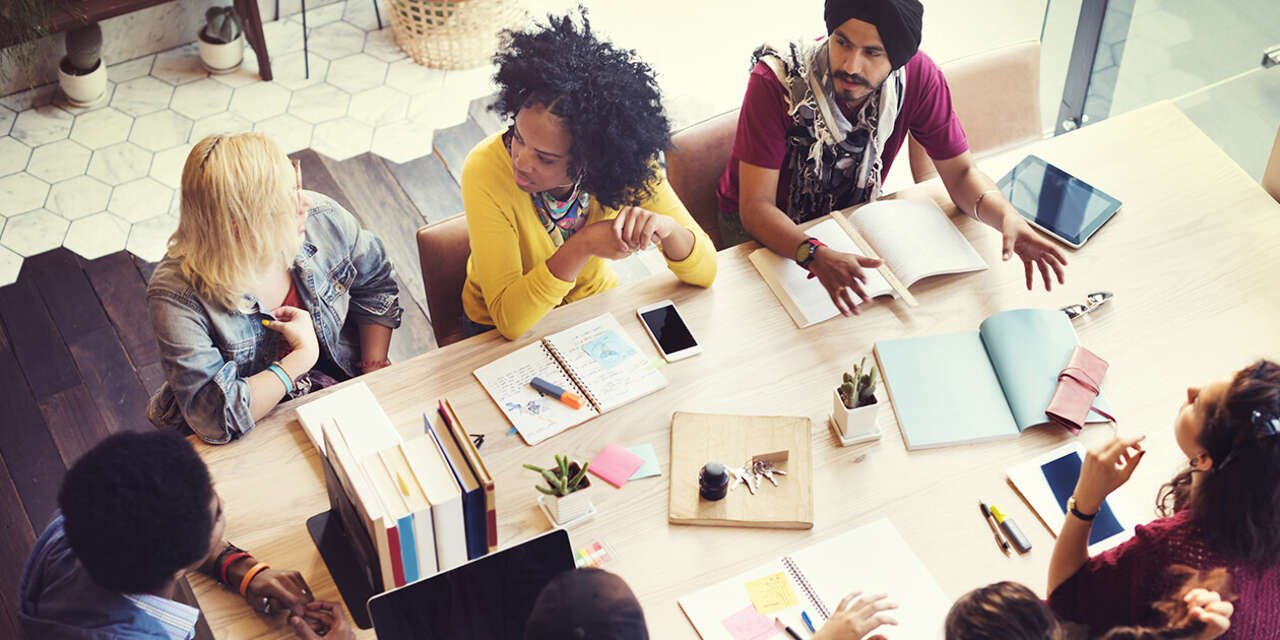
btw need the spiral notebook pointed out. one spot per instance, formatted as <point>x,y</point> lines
<point>595,359</point>
<point>872,559</point>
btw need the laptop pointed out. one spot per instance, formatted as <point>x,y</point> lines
<point>488,598</point>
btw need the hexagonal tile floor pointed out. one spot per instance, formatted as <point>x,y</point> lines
<point>103,179</point>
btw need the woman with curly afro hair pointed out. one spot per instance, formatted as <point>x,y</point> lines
<point>572,183</point>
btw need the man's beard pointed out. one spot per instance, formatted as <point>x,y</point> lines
<point>847,96</point>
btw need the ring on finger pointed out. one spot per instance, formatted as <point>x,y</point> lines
<point>266,606</point>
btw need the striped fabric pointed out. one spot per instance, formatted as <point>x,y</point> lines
<point>178,619</point>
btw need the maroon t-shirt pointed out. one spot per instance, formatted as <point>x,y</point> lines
<point>763,123</point>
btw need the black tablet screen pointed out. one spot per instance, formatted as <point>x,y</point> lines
<point>1057,201</point>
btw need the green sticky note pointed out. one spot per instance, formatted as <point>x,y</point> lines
<point>650,466</point>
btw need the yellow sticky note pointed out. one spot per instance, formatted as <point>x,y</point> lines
<point>771,593</point>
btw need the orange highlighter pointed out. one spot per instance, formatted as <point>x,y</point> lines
<point>571,399</point>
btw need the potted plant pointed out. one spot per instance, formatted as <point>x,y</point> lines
<point>568,487</point>
<point>220,40</point>
<point>81,73</point>
<point>856,407</point>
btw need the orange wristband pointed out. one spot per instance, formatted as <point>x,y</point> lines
<point>255,570</point>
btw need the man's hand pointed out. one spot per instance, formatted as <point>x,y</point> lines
<point>273,591</point>
<point>840,272</point>
<point>857,616</point>
<point>1034,248</point>
<point>322,619</point>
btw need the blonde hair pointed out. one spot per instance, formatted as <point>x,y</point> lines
<point>239,215</point>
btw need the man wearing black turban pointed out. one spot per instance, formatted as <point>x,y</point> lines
<point>820,125</point>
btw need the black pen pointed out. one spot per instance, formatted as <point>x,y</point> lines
<point>791,632</point>
<point>986,515</point>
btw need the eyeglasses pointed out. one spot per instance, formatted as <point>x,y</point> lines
<point>297,172</point>
<point>1091,302</point>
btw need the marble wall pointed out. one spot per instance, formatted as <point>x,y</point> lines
<point>133,35</point>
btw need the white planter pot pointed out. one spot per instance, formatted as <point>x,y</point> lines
<point>221,58</point>
<point>855,425</point>
<point>565,509</point>
<point>86,90</point>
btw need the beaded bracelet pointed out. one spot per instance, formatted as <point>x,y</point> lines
<point>248,577</point>
<point>275,368</point>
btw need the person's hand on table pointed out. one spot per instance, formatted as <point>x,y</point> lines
<point>299,332</point>
<point>322,619</point>
<point>857,615</point>
<point>1209,607</point>
<point>637,227</point>
<point>1035,249</point>
<point>273,591</point>
<point>839,273</point>
<point>602,241</point>
<point>1106,468</point>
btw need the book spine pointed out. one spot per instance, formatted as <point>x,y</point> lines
<point>397,564</point>
<point>475,519</point>
<point>573,375</point>
<point>807,589</point>
<point>408,548</point>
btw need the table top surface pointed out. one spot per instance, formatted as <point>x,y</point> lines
<point>1193,295</point>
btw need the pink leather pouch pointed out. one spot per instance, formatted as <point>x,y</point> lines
<point>1078,385</point>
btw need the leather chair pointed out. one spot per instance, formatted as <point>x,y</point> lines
<point>443,249</point>
<point>996,95</point>
<point>1271,176</point>
<point>695,161</point>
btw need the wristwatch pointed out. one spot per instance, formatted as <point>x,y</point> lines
<point>1071,507</point>
<point>807,250</point>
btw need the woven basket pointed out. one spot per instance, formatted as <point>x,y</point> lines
<point>458,34</point>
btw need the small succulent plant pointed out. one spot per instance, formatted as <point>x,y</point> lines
<point>564,478</point>
<point>84,48</point>
<point>859,388</point>
<point>222,25</point>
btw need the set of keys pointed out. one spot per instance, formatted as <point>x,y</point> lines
<point>752,471</point>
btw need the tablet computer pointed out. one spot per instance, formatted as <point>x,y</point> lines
<point>1047,480</point>
<point>489,598</point>
<point>1057,202</point>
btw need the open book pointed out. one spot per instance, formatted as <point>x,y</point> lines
<point>872,558</point>
<point>594,359</point>
<point>913,237</point>
<point>982,385</point>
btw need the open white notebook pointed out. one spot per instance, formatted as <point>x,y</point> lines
<point>913,237</point>
<point>872,558</point>
<point>595,359</point>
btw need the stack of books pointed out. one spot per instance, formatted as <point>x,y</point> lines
<point>412,507</point>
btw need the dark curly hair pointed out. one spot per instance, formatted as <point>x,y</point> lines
<point>1237,505</point>
<point>136,510</point>
<point>1006,610</point>
<point>607,97</point>
<point>1175,616</point>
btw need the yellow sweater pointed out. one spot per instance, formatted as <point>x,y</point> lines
<point>508,282</point>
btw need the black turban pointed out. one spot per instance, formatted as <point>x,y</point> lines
<point>897,20</point>
<point>586,604</point>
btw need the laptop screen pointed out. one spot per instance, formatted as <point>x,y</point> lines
<point>487,598</point>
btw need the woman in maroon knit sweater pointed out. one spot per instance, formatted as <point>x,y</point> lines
<point>1222,511</point>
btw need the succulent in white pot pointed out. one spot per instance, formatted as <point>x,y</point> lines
<point>569,489</point>
<point>221,40</point>
<point>82,74</point>
<point>856,409</point>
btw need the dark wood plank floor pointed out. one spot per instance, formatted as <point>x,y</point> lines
<point>78,358</point>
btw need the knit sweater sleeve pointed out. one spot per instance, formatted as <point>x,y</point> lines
<point>1118,586</point>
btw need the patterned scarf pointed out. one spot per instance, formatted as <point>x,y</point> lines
<point>832,163</point>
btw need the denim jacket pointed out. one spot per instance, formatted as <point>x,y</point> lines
<point>343,279</point>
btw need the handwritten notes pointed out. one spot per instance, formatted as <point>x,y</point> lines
<point>610,350</point>
<point>771,593</point>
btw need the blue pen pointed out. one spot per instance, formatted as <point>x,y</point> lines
<point>807,622</point>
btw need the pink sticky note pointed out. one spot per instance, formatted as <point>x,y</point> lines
<point>749,625</point>
<point>615,465</point>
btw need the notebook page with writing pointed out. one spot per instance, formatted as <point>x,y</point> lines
<point>536,417</point>
<point>915,239</point>
<point>804,298</point>
<point>872,558</point>
<point>608,366</point>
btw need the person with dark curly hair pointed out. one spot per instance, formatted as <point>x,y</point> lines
<point>138,511</point>
<point>820,125</point>
<point>573,182</point>
<point>1223,510</point>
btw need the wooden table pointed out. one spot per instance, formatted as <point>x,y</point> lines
<point>1194,261</point>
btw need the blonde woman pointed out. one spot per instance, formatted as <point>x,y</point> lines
<point>266,291</point>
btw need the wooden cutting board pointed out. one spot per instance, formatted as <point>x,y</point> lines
<point>699,438</point>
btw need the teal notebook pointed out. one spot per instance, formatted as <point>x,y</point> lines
<point>982,385</point>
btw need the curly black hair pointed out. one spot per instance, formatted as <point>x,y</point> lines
<point>608,98</point>
<point>136,510</point>
<point>1001,610</point>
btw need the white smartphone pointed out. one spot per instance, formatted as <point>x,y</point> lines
<point>668,330</point>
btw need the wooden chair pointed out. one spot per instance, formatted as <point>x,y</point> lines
<point>1271,175</point>
<point>695,161</point>
<point>996,95</point>
<point>443,249</point>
